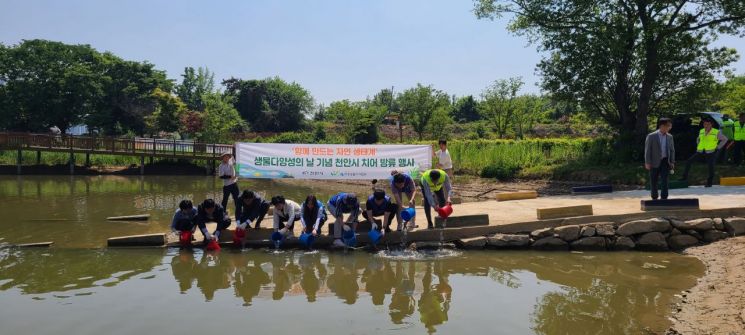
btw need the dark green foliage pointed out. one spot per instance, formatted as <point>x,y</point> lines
<point>270,104</point>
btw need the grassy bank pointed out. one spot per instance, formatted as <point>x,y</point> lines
<point>62,158</point>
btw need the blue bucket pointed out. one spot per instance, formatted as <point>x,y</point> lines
<point>277,236</point>
<point>408,214</point>
<point>349,237</point>
<point>374,236</point>
<point>307,239</point>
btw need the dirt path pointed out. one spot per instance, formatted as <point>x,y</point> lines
<point>716,305</point>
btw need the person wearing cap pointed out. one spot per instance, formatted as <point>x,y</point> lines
<point>226,171</point>
<point>338,205</point>
<point>444,161</point>
<point>708,144</point>
<point>402,183</point>
<point>312,215</point>
<point>209,211</point>
<point>184,218</point>
<point>286,212</point>
<point>436,189</point>
<point>379,204</point>
<point>252,210</point>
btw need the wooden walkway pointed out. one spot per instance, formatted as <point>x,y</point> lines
<point>137,147</point>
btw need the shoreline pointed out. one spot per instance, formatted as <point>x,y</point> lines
<point>716,304</point>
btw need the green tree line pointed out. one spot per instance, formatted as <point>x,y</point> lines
<point>47,84</point>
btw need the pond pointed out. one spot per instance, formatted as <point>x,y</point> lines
<point>79,287</point>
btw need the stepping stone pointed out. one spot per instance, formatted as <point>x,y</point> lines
<point>667,204</point>
<point>594,189</point>
<point>35,245</point>
<point>149,240</point>
<point>563,212</point>
<point>506,196</point>
<point>463,221</point>
<point>732,181</point>
<point>140,217</point>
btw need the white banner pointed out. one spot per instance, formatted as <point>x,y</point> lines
<point>330,161</point>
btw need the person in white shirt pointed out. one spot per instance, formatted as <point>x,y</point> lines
<point>286,213</point>
<point>226,172</point>
<point>444,161</point>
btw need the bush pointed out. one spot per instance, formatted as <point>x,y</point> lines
<point>500,171</point>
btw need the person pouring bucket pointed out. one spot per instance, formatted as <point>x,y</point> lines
<point>209,211</point>
<point>436,189</point>
<point>379,204</point>
<point>251,211</point>
<point>312,218</point>
<point>286,213</point>
<point>402,183</point>
<point>339,205</point>
<point>183,222</point>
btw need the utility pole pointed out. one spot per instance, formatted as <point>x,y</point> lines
<point>400,119</point>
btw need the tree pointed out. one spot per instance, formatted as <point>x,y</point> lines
<point>440,124</point>
<point>45,84</point>
<point>419,103</point>
<point>194,85</point>
<point>466,109</point>
<point>358,121</point>
<point>168,112</point>
<point>271,104</point>
<point>529,109</point>
<point>127,100</point>
<point>732,101</point>
<point>220,119</point>
<point>623,59</point>
<point>498,104</point>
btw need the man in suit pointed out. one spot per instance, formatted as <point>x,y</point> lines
<point>659,156</point>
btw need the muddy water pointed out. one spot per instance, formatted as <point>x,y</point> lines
<point>77,287</point>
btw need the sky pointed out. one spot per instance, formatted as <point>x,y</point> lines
<point>337,49</point>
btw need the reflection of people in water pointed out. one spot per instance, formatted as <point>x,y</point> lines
<point>433,307</point>
<point>184,271</point>
<point>379,279</point>
<point>402,300</point>
<point>285,273</point>
<point>212,273</point>
<point>343,281</point>
<point>249,279</point>
<point>313,274</point>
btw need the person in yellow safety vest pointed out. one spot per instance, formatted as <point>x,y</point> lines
<point>728,130</point>
<point>436,189</point>
<point>709,142</point>
<point>739,130</point>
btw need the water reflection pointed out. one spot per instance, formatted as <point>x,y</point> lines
<point>609,293</point>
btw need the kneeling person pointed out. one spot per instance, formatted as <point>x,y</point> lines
<point>252,209</point>
<point>402,183</point>
<point>209,211</point>
<point>380,204</point>
<point>286,212</point>
<point>184,219</point>
<point>339,205</point>
<point>312,215</point>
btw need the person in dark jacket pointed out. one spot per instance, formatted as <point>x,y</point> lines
<point>184,218</point>
<point>209,211</point>
<point>380,204</point>
<point>252,209</point>
<point>312,215</point>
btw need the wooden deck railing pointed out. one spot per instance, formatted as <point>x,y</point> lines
<point>112,145</point>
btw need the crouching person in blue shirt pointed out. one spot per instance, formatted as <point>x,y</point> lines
<point>380,204</point>
<point>183,222</point>
<point>312,215</point>
<point>209,211</point>
<point>339,205</point>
